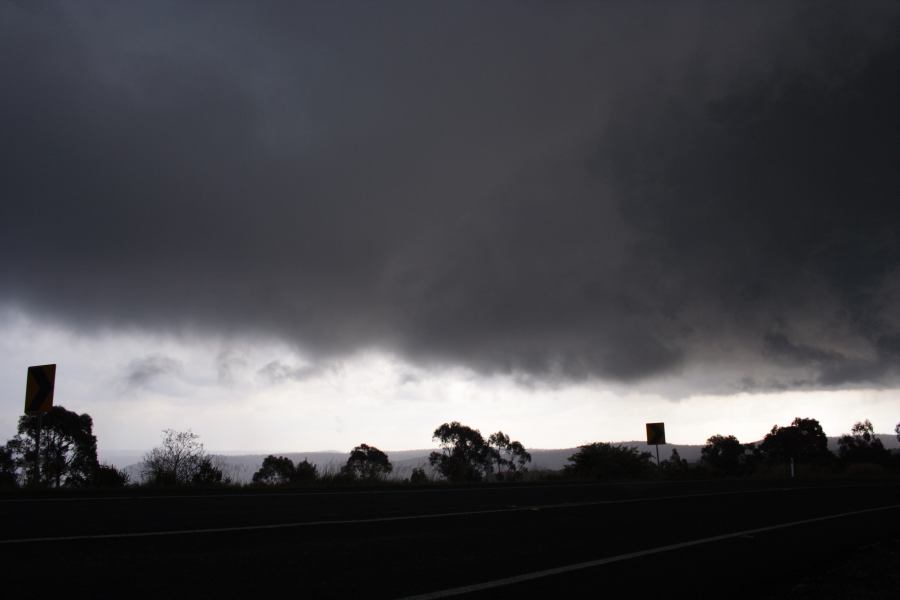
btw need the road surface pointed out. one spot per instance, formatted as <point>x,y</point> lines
<point>739,539</point>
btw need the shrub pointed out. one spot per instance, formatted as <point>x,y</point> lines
<point>607,461</point>
<point>108,476</point>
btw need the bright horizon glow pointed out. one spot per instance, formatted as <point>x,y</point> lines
<point>260,396</point>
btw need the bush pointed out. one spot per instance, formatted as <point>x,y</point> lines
<point>305,471</point>
<point>607,461</point>
<point>675,467</point>
<point>863,445</point>
<point>418,476</point>
<point>107,476</point>
<point>181,460</point>
<point>275,470</point>
<point>723,454</point>
<point>865,471</point>
<point>210,473</point>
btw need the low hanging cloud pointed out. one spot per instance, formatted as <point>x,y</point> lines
<point>563,191</point>
<point>277,371</point>
<point>227,363</point>
<point>146,371</point>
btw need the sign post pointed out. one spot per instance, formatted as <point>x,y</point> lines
<point>38,400</point>
<point>656,435</point>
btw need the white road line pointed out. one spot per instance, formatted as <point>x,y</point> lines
<point>293,525</point>
<point>478,587</point>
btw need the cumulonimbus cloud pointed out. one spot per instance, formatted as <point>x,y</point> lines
<point>564,191</point>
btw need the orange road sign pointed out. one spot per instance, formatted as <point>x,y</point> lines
<point>656,434</point>
<point>39,389</point>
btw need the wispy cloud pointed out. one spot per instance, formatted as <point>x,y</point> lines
<point>144,371</point>
<point>277,371</point>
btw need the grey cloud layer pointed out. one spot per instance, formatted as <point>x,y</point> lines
<point>563,191</point>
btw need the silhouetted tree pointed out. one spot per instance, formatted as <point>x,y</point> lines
<point>897,431</point>
<point>803,440</point>
<point>275,470</point>
<point>367,462</point>
<point>464,455</point>
<point>108,476</point>
<point>68,452</point>
<point>278,470</point>
<point>723,454</point>
<point>180,460</point>
<point>418,476</point>
<point>862,445</point>
<point>510,456</point>
<point>607,461</point>
<point>305,471</point>
<point>210,473</point>
<point>675,466</point>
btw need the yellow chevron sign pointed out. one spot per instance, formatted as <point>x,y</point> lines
<point>656,434</point>
<point>39,389</point>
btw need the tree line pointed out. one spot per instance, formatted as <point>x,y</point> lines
<point>465,455</point>
<point>802,444</point>
<point>68,457</point>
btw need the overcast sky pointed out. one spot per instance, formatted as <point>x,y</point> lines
<point>306,225</point>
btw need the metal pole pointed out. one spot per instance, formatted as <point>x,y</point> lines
<point>37,451</point>
<point>657,455</point>
<point>792,468</point>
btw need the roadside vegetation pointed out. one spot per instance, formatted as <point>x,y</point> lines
<point>68,460</point>
<point>67,454</point>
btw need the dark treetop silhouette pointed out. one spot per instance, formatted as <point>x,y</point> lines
<point>68,451</point>
<point>368,463</point>
<point>466,456</point>
<point>180,460</point>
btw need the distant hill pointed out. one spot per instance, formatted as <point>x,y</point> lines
<point>888,439</point>
<point>240,467</point>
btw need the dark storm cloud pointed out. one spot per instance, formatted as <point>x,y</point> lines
<point>563,191</point>
<point>782,349</point>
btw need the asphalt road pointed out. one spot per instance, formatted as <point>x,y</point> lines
<point>735,539</point>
